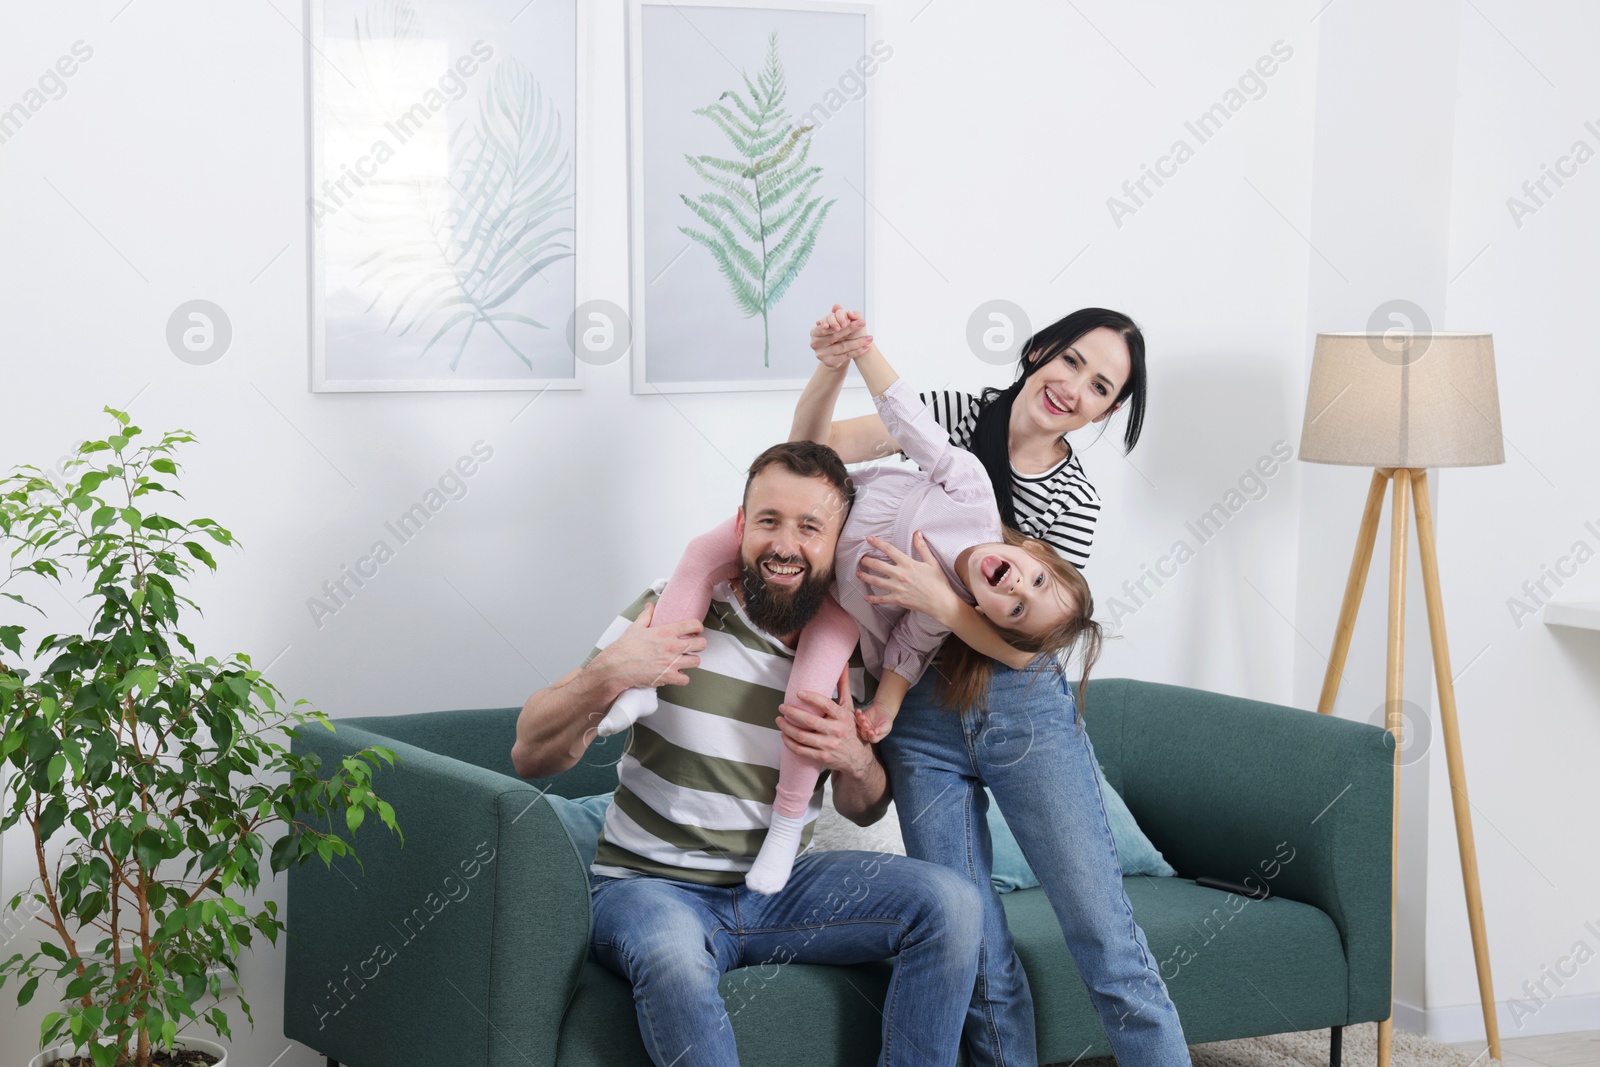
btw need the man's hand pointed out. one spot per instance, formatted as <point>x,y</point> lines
<point>559,722</point>
<point>646,656</point>
<point>825,732</point>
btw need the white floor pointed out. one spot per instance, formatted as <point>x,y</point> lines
<point>1557,1050</point>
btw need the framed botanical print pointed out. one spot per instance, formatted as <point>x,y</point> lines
<point>442,201</point>
<point>750,128</point>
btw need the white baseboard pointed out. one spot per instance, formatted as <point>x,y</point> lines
<point>1464,1022</point>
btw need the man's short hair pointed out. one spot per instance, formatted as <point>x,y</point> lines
<point>808,459</point>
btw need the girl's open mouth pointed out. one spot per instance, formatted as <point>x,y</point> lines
<point>994,570</point>
<point>1053,403</point>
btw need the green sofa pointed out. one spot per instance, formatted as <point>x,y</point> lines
<point>469,945</point>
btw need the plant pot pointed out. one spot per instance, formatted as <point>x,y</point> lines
<point>197,1044</point>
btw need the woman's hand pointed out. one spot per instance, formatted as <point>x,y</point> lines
<point>839,336</point>
<point>916,584</point>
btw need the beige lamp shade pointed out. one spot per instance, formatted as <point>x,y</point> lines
<point>1403,400</point>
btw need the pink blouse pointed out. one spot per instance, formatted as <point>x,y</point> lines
<point>950,500</point>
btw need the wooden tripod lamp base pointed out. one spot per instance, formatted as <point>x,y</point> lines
<point>1402,403</point>
<point>1411,489</point>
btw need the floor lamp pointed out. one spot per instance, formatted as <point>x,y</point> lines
<point>1402,403</point>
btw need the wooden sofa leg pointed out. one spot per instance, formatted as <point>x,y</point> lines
<point>1335,1046</point>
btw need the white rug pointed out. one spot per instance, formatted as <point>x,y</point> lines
<point>1310,1049</point>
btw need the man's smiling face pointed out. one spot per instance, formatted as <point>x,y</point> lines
<point>788,530</point>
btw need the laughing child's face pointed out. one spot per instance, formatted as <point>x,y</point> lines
<point>1016,591</point>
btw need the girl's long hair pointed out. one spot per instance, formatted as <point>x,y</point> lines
<point>964,674</point>
<point>991,437</point>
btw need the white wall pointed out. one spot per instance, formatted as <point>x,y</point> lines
<point>1529,694</point>
<point>173,168</point>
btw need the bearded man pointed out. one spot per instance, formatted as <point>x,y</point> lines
<point>696,784</point>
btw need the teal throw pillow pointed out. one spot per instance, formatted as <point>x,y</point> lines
<point>1138,855</point>
<point>583,818</point>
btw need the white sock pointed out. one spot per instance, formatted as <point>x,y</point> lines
<point>770,872</point>
<point>627,709</point>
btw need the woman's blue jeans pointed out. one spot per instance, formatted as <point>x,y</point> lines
<point>1029,750</point>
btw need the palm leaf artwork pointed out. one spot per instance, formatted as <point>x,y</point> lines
<point>454,253</point>
<point>761,222</point>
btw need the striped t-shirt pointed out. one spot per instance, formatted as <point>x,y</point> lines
<point>698,776</point>
<point>1058,506</point>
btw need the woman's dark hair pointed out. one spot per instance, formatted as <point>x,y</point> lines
<point>991,437</point>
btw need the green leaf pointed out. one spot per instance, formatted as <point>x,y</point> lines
<point>25,994</point>
<point>444,273</point>
<point>759,222</point>
<point>165,466</point>
<point>285,852</point>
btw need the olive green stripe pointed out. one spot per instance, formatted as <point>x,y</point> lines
<point>634,610</point>
<point>735,844</point>
<point>731,698</point>
<point>612,855</point>
<point>696,770</point>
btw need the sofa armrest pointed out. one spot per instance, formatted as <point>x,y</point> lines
<point>462,946</point>
<point>1240,789</point>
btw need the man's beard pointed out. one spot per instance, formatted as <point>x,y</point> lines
<point>779,612</point>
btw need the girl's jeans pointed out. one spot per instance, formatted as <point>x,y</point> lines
<point>1040,766</point>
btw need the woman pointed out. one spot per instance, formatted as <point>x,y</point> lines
<point>1019,731</point>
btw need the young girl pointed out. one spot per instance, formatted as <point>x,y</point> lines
<point>1011,597</point>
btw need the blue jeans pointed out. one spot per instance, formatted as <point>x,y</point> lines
<point>673,940</point>
<point>1040,766</point>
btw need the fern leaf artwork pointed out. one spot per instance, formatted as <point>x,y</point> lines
<point>455,252</point>
<point>758,218</point>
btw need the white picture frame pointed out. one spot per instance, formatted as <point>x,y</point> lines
<point>435,51</point>
<point>687,334</point>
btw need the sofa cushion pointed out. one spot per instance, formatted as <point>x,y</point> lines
<point>831,1012</point>
<point>1234,967</point>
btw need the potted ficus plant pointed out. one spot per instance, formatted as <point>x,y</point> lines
<point>151,781</point>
